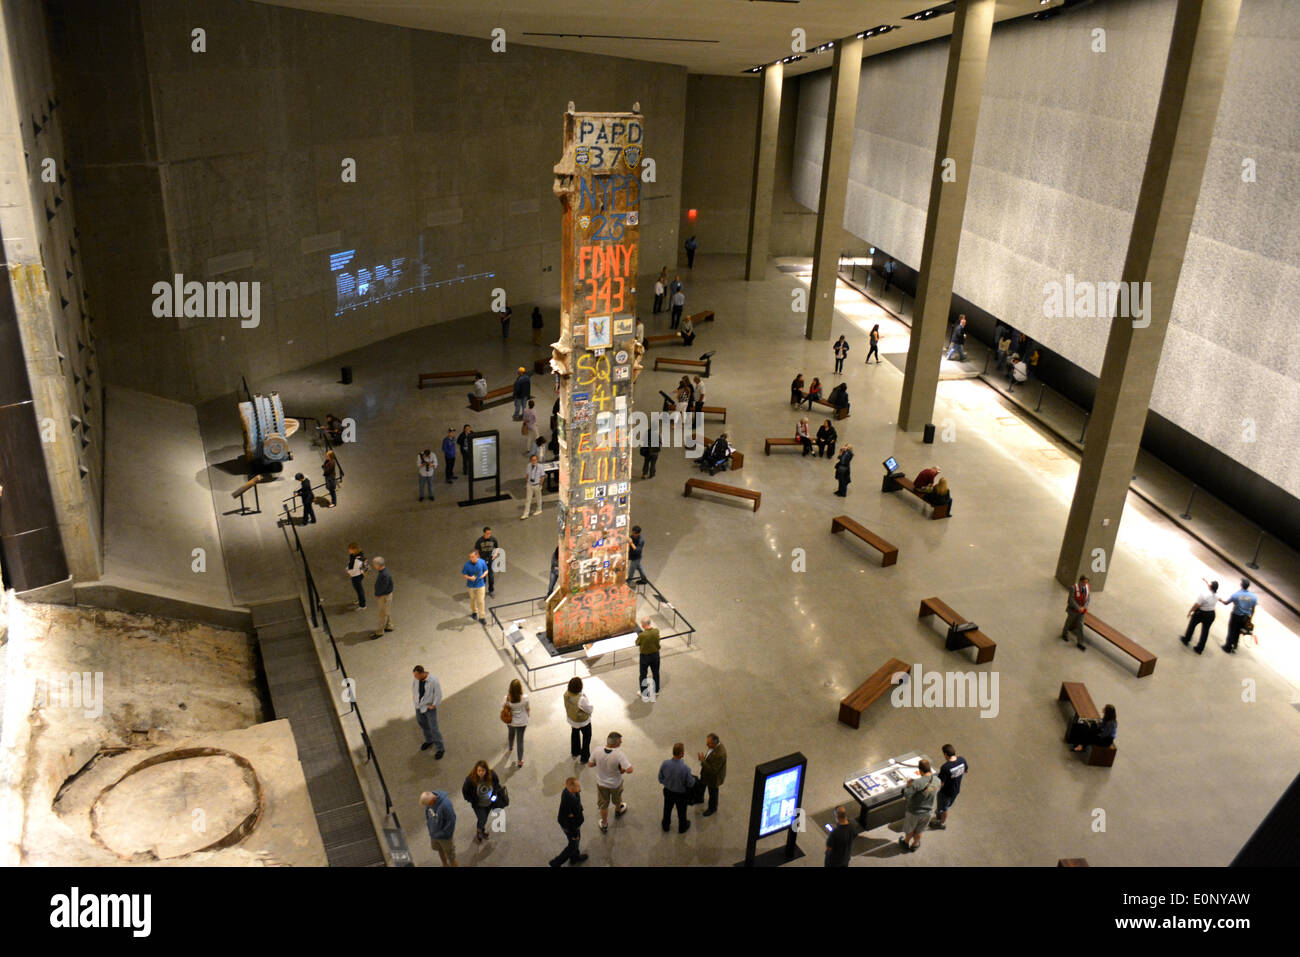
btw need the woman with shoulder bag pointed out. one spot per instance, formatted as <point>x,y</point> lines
<point>483,790</point>
<point>577,711</point>
<point>516,702</point>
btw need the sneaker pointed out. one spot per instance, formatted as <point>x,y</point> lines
<point>684,828</point>
<point>388,628</point>
<point>1082,646</point>
<point>666,826</point>
<point>523,516</point>
<point>936,826</point>
<point>620,810</point>
<point>474,615</point>
<point>604,826</point>
<point>1185,640</point>
<point>1064,636</point>
<point>426,746</point>
<point>438,754</point>
<point>902,842</point>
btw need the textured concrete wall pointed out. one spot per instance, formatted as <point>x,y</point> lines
<point>1057,167</point>
<point>41,248</point>
<point>234,159</point>
<point>721,119</point>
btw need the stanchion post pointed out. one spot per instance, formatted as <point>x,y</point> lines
<point>1084,432</point>
<point>1254,562</point>
<point>1042,388</point>
<point>1187,512</point>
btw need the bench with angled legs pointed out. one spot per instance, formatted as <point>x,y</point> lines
<point>871,691</point>
<point>893,483</point>
<point>433,377</point>
<point>1145,659</point>
<point>1082,708</point>
<point>888,552</point>
<point>985,646</point>
<point>477,402</point>
<point>705,486</point>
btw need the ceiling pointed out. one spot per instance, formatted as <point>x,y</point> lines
<point>705,36</point>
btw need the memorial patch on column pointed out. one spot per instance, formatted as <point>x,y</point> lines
<point>597,359</point>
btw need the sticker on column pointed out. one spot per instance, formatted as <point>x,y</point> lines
<point>623,327</point>
<point>622,372</point>
<point>600,333</point>
<point>620,521</point>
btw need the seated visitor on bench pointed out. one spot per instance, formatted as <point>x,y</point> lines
<point>1091,734</point>
<point>826,439</point>
<point>480,386</point>
<point>333,428</point>
<point>1019,372</point>
<point>687,331</point>
<point>801,433</point>
<point>796,390</point>
<point>839,396</point>
<point>925,479</point>
<point>716,456</point>
<point>814,392</point>
<point>938,495</point>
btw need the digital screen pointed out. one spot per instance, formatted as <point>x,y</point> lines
<point>362,279</point>
<point>484,455</point>
<point>891,464</point>
<point>780,800</point>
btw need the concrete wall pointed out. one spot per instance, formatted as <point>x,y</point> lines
<point>1058,163</point>
<point>721,119</point>
<point>45,273</point>
<point>226,166</point>
<point>794,223</point>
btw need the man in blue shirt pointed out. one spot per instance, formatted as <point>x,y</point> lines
<point>440,818</point>
<point>449,453</point>
<point>1243,608</point>
<point>677,779</point>
<point>475,572</point>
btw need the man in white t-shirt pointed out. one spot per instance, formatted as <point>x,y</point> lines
<point>1202,613</point>
<point>611,764</point>
<point>1019,373</point>
<point>426,463</point>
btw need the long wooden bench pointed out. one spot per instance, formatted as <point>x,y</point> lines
<point>985,645</point>
<point>665,339</point>
<point>705,486</point>
<point>870,691</point>
<point>780,441</point>
<point>705,364</point>
<point>839,413</point>
<point>716,410</point>
<point>1076,692</point>
<point>894,482</point>
<point>435,376</point>
<point>697,318</point>
<point>1145,659</point>
<point>476,402</point>
<point>888,552</point>
<point>737,457</point>
<point>1072,862</point>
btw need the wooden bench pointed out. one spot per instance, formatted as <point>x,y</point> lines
<point>705,364</point>
<point>476,402</point>
<point>839,413</point>
<point>958,640</point>
<point>870,691</point>
<point>716,410</point>
<point>1145,659</point>
<point>706,316</point>
<point>1076,693</point>
<point>662,340</point>
<point>893,483</point>
<point>1072,862</point>
<point>780,441</point>
<point>706,486</point>
<point>435,376</point>
<point>737,457</point>
<point>888,552</point>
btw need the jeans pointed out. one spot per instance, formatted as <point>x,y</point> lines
<point>308,513</point>
<point>659,303</point>
<point>429,725</point>
<point>580,742</point>
<point>676,316</point>
<point>650,663</point>
<point>480,817</point>
<point>634,568</point>
<point>516,734</point>
<point>358,586</point>
<point>957,348</point>
<point>426,487</point>
<point>674,799</point>
<point>873,351</point>
<point>839,364</point>
<point>648,465</point>
<point>520,404</point>
<point>332,486</point>
<point>1203,618</point>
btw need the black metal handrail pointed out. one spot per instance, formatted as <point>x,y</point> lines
<point>317,607</point>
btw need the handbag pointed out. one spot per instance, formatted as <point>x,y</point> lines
<point>501,798</point>
<point>695,793</point>
<point>506,714</point>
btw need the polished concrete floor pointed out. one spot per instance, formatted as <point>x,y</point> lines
<point>1206,744</point>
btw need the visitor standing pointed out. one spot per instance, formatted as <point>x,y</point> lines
<point>635,549</point>
<point>956,340</point>
<point>919,794</point>
<point>516,702</point>
<point>522,392</point>
<point>475,571</point>
<point>841,349</point>
<point>1202,613</point>
<point>611,764</point>
<point>691,245</point>
<point>482,789</point>
<point>356,573</point>
<point>578,711</point>
<point>698,388</point>
<point>440,819</point>
<point>660,289</point>
<point>486,546</point>
<point>713,770</point>
<point>570,821</point>
<point>874,338</point>
<point>951,773</point>
<point>679,301</point>
<point>534,486</point>
<point>843,470</point>
<point>839,843</point>
<point>308,497</point>
<point>1076,607</point>
<point>538,325</point>
<point>426,464</point>
<point>383,597</point>
<point>465,443</point>
<point>647,643</point>
<point>504,316</point>
<point>449,453</point>
<point>650,451</point>
<point>333,475</point>
<point>1243,604</point>
<point>677,781</point>
<point>426,695</point>
<point>529,428</point>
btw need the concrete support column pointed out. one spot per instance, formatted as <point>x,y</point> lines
<point>761,190</point>
<point>959,117</point>
<point>1180,141</point>
<point>835,183</point>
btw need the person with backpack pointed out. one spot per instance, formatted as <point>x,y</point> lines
<point>356,573</point>
<point>578,711</point>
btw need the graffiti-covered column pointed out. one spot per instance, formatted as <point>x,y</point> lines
<point>597,359</point>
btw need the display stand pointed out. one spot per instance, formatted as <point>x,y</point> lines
<point>879,789</point>
<point>776,808</point>
<point>484,465</point>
